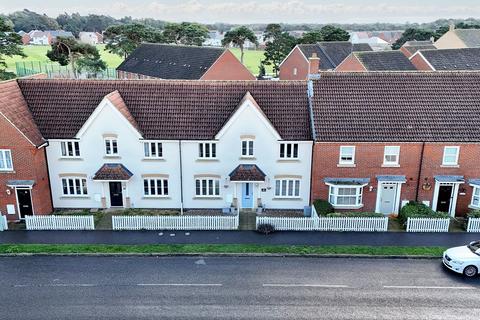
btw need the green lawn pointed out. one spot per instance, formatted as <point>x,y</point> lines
<point>252,59</point>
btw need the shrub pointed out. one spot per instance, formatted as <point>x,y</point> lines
<point>265,228</point>
<point>474,214</point>
<point>323,207</point>
<point>418,210</point>
<point>356,214</point>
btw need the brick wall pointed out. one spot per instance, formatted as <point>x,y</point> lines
<point>405,52</point>
<point>296,59</point>
<point>228,67</point>
<point>420,63</point>
<point>351,63</point>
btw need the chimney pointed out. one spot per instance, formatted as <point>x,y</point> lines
<point>313,64</point>
<point>451,27</point>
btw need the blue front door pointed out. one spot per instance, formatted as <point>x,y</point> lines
<point>247,195</point>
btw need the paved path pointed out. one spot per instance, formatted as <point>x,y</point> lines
<point>242,237</point>
<point>232,288</point>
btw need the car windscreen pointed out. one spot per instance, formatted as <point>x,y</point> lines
<point>474,247</point>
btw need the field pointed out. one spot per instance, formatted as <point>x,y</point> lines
<point>38,53</point>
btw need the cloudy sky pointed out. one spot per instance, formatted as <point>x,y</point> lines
<point>250,11</point>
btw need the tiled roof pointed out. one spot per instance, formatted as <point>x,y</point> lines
<point>470,37</point>
<point>167,109</point>
<point>171,61</point>
<point>247,172</point>
<point>414,46</point>
<point>362,47</point>
<point>385,61</point>
<point>15,109</point>
<point>309,49</point>
<point>113,171</point>
<point>332,53</point>
<point>397,107</point>
<point>453,59</point>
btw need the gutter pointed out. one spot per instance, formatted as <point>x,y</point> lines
<point>314,134</point>
<point>419,172</point>
<point>181,176</point>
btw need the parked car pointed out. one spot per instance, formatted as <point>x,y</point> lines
<point>464,259</point>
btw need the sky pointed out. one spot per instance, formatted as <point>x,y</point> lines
<point>265,11</point>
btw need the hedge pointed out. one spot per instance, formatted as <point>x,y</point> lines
<point>323,207</point>
<point>419,210</point>
<point>356,215</point>
<point>473,214</point>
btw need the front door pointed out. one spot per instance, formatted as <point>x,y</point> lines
<point>387,199</point>
<point>24,203</point>
<point>247,195</point>
<point>444,198</point>
<point>116,197</point>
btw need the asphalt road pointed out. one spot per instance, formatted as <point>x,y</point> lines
<point>232,288</point>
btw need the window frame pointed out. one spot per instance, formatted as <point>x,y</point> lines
<point>283,190</point>
<point>110,140</point>
<point>147,187</point>
<point>158,149</point>
<point>207,184</point>
<point>249,148</point>
<point>66,145</point>
<point>6,160</point>
<point>333,193</point>
<point>82,184</point>
<point>294,147</point>
<point>397,155</point>
<point>212,150</point>
<point>475,189</point>
<point>341,154</point>
<point>457,154</point>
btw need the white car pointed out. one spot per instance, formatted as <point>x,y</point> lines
<point>465,259</point>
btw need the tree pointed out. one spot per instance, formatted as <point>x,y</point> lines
<point>261,71</point>
<point>185,33</point>
<point>311,37</point>
<point>10,46</point>
<point>28,20</point>
<point>413,34</point>
<point>81,56</point>
<point>278,45</point>
<point>123,39</point>
<point>332,33</point>
<point>237,37</point>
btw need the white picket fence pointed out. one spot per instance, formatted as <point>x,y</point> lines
<point>428,225</point>
<point>473,225</point>
<point>315,223</point>
<point>59,222</point>
<point>3,223</point>
<point>175,222</point>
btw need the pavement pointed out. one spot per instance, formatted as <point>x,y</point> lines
<point>240,237</point>
<point>232,288</point>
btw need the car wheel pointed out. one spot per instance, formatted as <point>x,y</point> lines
<point>470,271</point>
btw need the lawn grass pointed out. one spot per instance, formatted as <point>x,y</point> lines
<point>220,248</point>
<point>252,59</point>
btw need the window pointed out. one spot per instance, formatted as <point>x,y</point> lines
<point>70,149</point>
<point>294,71</point>
<point>391,155</point>
<point>111,147</point>
<point>153,149</point>
<point>74,186</point>
<point>207,150</point>
<point>155,187</point>
<point>286,188</point>
<point>288,150</point>
<point>450,156</point>
<point>345,196</point>
<point>347,155</point>
<point>247,148</point>
<point>6,160</point>
<point>207,187</point>
<point>476,197</point>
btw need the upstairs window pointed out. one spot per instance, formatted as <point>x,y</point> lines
<point>70,149</point>
<point>247,148</point>
<point>391,155</point>
<point>288,150</point>
<point>6,160</point>
<point>153,149</point>
<point>450,156</point>
<point>347,155</point>
<point>207,150</point>
<point>111,147</point>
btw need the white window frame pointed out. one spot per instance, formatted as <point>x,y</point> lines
<point>108,144</point>
<point>207,187</point>
<point>70,146</point>
<point>333,196</point>
<point>287,188</point>
<point>6,159</point>
<point>342,154</point>
<point>148,183</point>
<point>286,146</point>
<point>387,153</point>
<point>207,150</point>
<point>476,189</point>
<point>457,149</point>
<point>150,153</point>
<point>74,182</point>
<point>295,71</point>
<point>247,148</point>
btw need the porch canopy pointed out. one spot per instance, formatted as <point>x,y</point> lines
<point>113,172</point>
<point>347,181</point>
<point>474,182</point>
<point>450,179</point>
<point>20,183</point>
<point>247,172</point>
<point>392,178</point>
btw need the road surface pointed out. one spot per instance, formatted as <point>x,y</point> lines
<point>232,288</point>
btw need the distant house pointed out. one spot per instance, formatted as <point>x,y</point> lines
<point>328,55</point>
<point>214,39</point>
<point>447,59</point>
<point>376,43</point>
<point>411,47</point>
<point>38,37</point>
<point>459,38</point>
<point>376,61</point>
<point>91,38</point>
<point>161,61</point>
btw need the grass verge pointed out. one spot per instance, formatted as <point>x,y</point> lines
<point>214,248</point>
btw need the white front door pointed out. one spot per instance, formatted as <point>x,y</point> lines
<point>388,198</point>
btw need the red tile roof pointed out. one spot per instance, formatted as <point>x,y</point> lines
<point>247,172</point>
<point>113,171</point>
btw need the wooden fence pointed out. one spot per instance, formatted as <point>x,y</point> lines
<point>473,225</point>
<point>175,222</point>
<point>3,223</point>
<point>59,223</point>
<point>428,225</point>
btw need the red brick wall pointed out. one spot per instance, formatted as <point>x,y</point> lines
<point>405,52</point>
<point>351,63</point>
<point>29,163</point>
<point>420,63</point>
<point>228,67</point>
<point>296,59</point>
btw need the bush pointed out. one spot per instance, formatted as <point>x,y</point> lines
<point>356,215</point>
<point>419,210</point>
<point>323,207</point>
<point>265,228</point>
<point>474,214</point>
